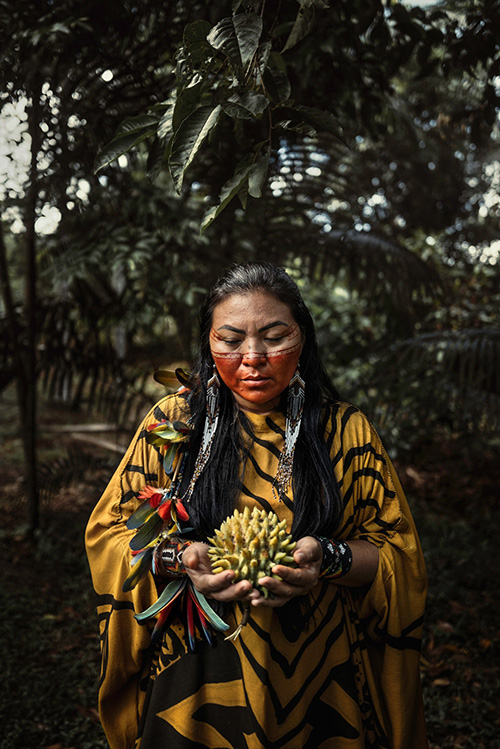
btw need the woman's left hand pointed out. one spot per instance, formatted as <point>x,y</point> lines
<point>296,581</point>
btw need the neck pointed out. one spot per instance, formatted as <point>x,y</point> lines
<point>257,408</point>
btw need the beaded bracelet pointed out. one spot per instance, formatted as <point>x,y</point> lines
<point>337,558</point>
<point>167,556</point>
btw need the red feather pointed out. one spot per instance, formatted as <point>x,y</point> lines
<point>161,621</point>
<point>152,494</point>
<point>203,619</point>
<point>164,510</point>
<point>181,510</point>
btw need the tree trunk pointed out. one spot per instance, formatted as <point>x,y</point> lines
<point>28,408</point>
<point>10,314</point>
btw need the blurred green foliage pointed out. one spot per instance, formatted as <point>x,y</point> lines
<point>369,131</point>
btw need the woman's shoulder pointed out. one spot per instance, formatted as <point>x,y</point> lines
<point>345,421</point>
<point>173,407</point>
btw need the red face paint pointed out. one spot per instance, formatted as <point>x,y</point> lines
<point>256,345</point>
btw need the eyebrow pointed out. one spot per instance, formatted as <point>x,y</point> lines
<point>261,330</point>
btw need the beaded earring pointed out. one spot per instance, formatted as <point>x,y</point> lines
<point>295,408</point>
<point>210,427</point>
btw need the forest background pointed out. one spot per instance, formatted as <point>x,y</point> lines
<point>147,145</point>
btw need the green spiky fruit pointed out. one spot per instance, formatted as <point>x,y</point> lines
<point>251,543</point>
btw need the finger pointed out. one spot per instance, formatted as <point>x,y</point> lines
<point>235,592</point>
<point>222,580</point>
<point>300,577</point>
<point>190,558</point>
<point>307,550</point>
<point>270,602</point>
<point>281,589</point>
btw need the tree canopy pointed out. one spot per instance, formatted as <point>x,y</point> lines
<point>355,143</point>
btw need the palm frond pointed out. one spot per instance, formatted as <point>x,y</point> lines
<point>449,376</point>
<point>76,466</point>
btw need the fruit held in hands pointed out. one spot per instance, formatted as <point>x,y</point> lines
<point>251,544</point>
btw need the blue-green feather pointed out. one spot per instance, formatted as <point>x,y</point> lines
<point>168,459</point>
<point>141,564</point>
<point>213,618</point>
<point>147,533</point>
<point>140,516</point>
<point>172,590</point>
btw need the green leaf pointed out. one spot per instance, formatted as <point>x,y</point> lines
<point>314,4</point>
<point>238,38</point>
<point>195,40</point>
<point>188,140</point>
<point>118,147</point>
<point>136,124</point>
<point>156,158</point>
<point>247,106</point>
<point>277,84</point>
<point>323,119</point>
<point>187,101</point>
<point>297,127</point>
<point>228,191</point>
<point>248,29</point>
<point>257,175</point>
<point>300,29</point>
<point>165,125</point>
<point>320,119</point>
<point>264,53</point>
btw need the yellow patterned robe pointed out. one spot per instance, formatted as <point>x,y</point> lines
<point>342,674</point>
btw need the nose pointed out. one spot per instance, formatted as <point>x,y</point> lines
<point>254,358</point>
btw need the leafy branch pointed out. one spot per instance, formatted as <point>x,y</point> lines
<point>231,72</point>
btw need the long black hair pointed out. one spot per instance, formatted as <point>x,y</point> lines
<point>317,504</point>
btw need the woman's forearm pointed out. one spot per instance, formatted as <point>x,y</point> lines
<point>365,558</point>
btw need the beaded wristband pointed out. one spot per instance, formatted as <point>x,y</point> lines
<point>337,558</point>
<point>167,556</point>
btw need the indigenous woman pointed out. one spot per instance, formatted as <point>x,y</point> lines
<point>329,656</point>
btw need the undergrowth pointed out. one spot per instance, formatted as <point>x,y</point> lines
<point>48,627</point>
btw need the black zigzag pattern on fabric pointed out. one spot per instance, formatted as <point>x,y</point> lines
<point>104,616</point>
<point>281,711</point>
<point>274,427</point>
<point>258,470</point>
<point>260,500</point>
<point>263,443</point>
<point>140,469</point>
<point>402,641</point>
<point>288,668</point>
<point>363,473</point>
<point>354,452</point>
<point>336,727</point>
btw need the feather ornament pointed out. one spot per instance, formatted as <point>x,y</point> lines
<point>141,564</point>
<point>147,533</point>
<point>190,624</point>
<point>168,377</point>
<point>160,515</point>
<point>167,596</point>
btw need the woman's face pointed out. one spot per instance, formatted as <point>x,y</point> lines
<point>256,345</point>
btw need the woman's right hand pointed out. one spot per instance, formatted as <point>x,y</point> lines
<point>220,586</point>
